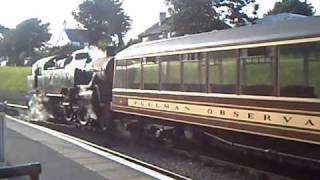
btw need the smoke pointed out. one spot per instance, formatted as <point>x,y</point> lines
<point>37,110</point>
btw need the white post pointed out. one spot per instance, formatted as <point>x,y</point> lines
<point>2,127</point>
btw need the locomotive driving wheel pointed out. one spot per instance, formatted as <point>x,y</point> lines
<point>68,110</point>
<point>68,113</point>
<point>83,116</point>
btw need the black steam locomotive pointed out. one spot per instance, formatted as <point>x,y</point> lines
<point>76,87</point>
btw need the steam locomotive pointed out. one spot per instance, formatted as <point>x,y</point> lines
<point>255,87</point>
<point>75,87</point>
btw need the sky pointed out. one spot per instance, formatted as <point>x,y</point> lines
<point>144,13</point>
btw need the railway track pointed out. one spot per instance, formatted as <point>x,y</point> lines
<point>232,166</point>
<point>208,160</point>
<point>139,165</point>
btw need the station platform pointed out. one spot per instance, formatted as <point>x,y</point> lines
<point>61,159</point>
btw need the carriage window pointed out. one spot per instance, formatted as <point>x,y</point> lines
<point>170,73</point>
<point>222,71</point>
<point>150,67</point>
<point>299,70</point>
<point>257,71</point>
<point>134,73</point>
<point>120,74</point>
<point>194,72</point>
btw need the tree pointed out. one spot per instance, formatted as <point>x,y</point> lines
<point>3,29</point>
<point>189,16</point>
<point>9,43</point>
<point>2,45</point>
<point>22,41</point>
<point>104,19</point>
<point>292,6</point>
<point>2,48</point>
<point>31,34</point>
<point>235,11</point>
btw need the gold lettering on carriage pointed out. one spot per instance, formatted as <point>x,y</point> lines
<point>256,116</point>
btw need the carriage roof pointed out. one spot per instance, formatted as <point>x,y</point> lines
<point>308,27</point>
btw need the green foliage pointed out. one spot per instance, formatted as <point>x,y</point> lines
<point>22,41</point>
<point>3,29</point>
<point>234,11</point>
<point>104,43</point>
<point>32,33</point>
<point>189,16</point>
<point>104,19</point>
<point>14,79</point>
<point>292,6</point>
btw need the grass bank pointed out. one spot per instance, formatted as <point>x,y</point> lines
<point>14,79</point>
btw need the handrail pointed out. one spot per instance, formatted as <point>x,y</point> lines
<point>32,170</point>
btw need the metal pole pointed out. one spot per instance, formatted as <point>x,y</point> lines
<point>2,127</point>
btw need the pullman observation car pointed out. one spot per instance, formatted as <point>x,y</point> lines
<point>257,85</point>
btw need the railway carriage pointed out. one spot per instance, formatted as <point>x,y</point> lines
<point>259,82</point>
